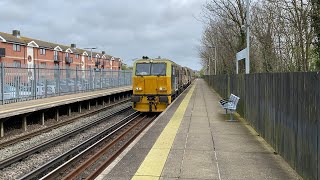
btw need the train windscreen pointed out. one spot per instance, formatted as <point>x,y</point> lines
<point>143,69</point>
<point>151,69</point>
<point>158,69</point>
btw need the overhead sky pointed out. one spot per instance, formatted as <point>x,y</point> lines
<point>127,29</point>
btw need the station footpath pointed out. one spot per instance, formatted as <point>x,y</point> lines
<point>193,140</point>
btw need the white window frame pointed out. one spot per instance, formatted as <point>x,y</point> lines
<point>43,51</point>
<point>16,47</point>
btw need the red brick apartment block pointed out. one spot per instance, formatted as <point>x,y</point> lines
<point>29,51</point>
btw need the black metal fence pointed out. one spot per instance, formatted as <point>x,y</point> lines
<point>284,108</point>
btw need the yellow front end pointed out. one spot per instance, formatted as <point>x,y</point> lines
<point>151,93</point>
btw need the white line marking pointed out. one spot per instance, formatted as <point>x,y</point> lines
<point>215,154</point>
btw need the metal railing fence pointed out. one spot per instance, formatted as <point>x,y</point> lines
<point>22,82</point>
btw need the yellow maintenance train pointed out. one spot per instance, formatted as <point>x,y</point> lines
<point>157,82</point>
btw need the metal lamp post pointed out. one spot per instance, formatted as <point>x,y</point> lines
<point>215,60</point>
<point>91,81</point>
<point>248,38</point>
<point>91,51</point>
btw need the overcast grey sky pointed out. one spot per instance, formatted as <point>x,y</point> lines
<point>126,29</point>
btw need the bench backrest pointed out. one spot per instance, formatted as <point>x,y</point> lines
<point>232,97</point>
<point>234,101</point>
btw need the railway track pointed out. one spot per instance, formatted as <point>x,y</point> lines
<point>63,123</point>
<point>51,142</point>
<point>91,157</point>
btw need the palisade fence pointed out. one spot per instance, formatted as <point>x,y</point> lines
<point>20,82</point>
<point>284,108</point>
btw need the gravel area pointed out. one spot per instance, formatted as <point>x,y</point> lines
<point>19,169</point>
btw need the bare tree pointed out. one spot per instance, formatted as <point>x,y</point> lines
<point>281,37</point>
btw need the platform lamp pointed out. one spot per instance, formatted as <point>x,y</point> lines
<point>215,60</point>
<point>91,51</point>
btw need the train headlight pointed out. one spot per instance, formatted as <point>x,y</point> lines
<point>162,89</point>
<point>138,88</point>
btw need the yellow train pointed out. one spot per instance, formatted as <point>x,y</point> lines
<point>157,82</point>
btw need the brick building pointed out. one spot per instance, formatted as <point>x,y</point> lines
<point>19,50</point>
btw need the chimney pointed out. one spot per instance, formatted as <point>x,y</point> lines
<point>73,46</point>
<point>103,52</point>
<point>16,33</point>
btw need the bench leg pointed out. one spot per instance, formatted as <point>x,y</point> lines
<point>231,117</point>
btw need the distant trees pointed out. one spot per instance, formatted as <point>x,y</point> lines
<point>284,34</point>
<point>126,67</point>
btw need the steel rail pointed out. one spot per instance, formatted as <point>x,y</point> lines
<point>68,121</point>
<point>19,156</point>
<point>71,154</point>
<point>117,153</point>
<point>102,151</point>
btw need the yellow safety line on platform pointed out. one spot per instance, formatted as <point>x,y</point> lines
<point>153,163</point>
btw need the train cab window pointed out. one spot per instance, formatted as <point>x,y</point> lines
<point>143,69</point>
<point>158,69</point>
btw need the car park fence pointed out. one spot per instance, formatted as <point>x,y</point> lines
<point>22,82</point>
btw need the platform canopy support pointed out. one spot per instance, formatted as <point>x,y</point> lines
<point>24,123</point>
<point>1,128</point>
<point>69,110</point>
<point>56,116</point>
<point>42,118</point>
<point>89,106</point>
<point>79,108</point>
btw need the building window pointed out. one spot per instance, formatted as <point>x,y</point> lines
<point>43,51</point>
<point>16,47</point>
<point>55,56</point>
<point>67,54</point>
<point>17,63</point>
<point>77,56</point>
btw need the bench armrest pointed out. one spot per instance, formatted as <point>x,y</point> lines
<point>224,101</point>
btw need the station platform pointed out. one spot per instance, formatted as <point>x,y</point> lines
<point>27,109</point>
<point>193,140</point>
<point>23,107</point>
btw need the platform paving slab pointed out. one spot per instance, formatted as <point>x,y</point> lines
<point>184,126</point>
<point>240,165</point>
<point>224,128</point>
<point>199,141</point>
<point>173,164</point>
<point>199,165</point>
